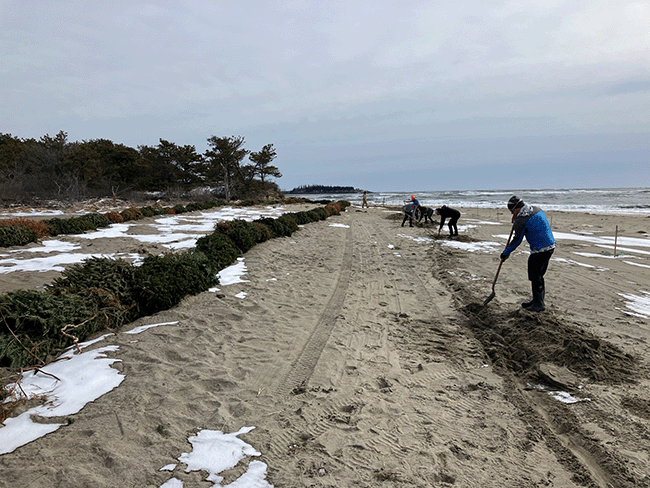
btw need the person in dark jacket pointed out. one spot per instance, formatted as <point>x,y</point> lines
<point>448,213</point>
<point>531,222</point>
<point>425,213</point>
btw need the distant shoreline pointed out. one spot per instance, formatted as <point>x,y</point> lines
<point>322,189</point>
<point>630,201</point>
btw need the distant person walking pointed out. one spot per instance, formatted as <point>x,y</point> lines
<point>531,222</point>
<point>453,215</point>
<point>364,200</point>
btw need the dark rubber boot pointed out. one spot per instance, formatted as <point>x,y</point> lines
<point>529,302</point>
<point>538,301</point>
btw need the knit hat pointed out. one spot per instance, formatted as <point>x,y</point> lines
<point>515,202</point>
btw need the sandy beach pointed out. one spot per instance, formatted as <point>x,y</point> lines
<point>360,353</point>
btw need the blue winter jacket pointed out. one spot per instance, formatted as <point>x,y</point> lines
<point>531,222</point>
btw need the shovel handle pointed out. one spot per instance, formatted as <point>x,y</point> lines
<point>493,294</point>
<point>501,262</point>
<point>508,243</point>
<point>510,236</point>
<point>496,275</point>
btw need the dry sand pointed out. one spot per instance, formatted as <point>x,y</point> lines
<point>368,362</point>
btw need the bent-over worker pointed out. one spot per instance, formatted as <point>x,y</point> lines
<point>453,215</point>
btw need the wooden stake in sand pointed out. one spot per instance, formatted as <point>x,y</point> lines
<point>615,240</point>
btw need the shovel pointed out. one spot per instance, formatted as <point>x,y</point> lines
<point>493,294</point>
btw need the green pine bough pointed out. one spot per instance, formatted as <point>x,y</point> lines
<point>104,294</point>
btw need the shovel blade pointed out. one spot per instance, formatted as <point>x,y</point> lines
<point>494,283</point>
<point>488,299</point>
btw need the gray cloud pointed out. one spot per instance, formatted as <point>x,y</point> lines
<point>346,91</point>
<point>629,87</point>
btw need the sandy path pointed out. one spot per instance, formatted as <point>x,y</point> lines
<point>399,394</point>
<point>359,360</point>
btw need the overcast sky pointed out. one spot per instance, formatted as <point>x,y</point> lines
<point>381,95</point>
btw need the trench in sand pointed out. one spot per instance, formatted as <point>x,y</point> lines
<point>523,347</point>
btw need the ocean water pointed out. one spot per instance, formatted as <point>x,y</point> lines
<point>593,200</point>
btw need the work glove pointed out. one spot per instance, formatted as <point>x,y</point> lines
<point>504,256</point>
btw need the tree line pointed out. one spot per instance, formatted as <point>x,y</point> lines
<point>306,189</point>
<point>54,168</point>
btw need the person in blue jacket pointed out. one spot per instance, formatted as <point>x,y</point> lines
<point>531,222</point>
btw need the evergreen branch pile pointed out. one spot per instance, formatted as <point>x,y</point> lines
<point>104,293</point>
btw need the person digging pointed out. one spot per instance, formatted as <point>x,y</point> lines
<point>531,222</point>
<point>453,215</point>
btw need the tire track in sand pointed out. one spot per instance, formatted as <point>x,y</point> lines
<point>304,364</point>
